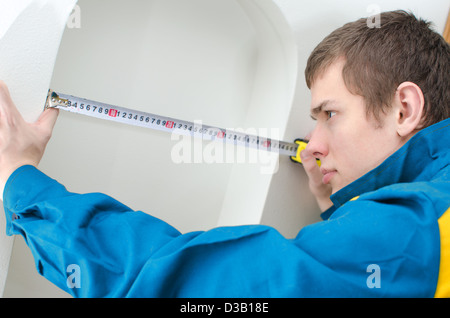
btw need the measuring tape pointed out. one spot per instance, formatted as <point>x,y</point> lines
<point>181,127</point>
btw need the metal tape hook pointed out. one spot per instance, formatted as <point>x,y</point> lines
<point>53,100</point>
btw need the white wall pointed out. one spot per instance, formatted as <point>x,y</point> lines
<point>30,33</point>
<point>173,58</point>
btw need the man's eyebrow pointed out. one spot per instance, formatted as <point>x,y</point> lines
<point>316,110</point>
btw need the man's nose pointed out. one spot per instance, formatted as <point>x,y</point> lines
<point>317,145</point>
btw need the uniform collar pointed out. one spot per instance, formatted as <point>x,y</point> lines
<point>417,160</point>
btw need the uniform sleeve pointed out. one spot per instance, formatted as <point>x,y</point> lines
<point>123,253</point>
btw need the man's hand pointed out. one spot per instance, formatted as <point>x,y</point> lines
<point>321,191</point>
<point>21,143</point>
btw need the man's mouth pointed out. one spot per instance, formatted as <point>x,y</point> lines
<point>327,175</point>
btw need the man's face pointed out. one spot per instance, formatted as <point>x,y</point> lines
<point>347,141</point>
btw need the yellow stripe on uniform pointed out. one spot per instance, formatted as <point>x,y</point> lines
<point>443,285</point>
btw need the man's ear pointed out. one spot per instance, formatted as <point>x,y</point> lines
<point>410,103</point>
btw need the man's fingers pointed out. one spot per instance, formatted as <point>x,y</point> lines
<point>47,120</point>
<point>4,91</point>
<point>6,104</point>
<point>312,169</point>
<point>309,161</point>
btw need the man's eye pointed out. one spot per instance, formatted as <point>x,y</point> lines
<point>330,114</point>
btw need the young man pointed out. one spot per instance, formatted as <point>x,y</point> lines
<point>380,97</point>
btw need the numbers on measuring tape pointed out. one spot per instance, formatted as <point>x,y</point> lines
<point>129,116</point>
<point>90,108</point>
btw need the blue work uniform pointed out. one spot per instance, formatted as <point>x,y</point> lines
<point>387,235</point>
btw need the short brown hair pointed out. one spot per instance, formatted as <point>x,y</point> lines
<point>378,60</point>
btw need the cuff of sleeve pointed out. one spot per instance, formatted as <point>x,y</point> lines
<point>25,187</point>
<point>8,192</point>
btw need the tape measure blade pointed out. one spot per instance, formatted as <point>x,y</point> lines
<point>172,125</point>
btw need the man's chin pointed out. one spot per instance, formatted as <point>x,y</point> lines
<point>336,186</point>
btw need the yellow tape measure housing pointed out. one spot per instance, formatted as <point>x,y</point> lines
<point>301,146</point>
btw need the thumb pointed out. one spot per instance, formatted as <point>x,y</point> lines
<point>312,168</point>
<point>47,120</point>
